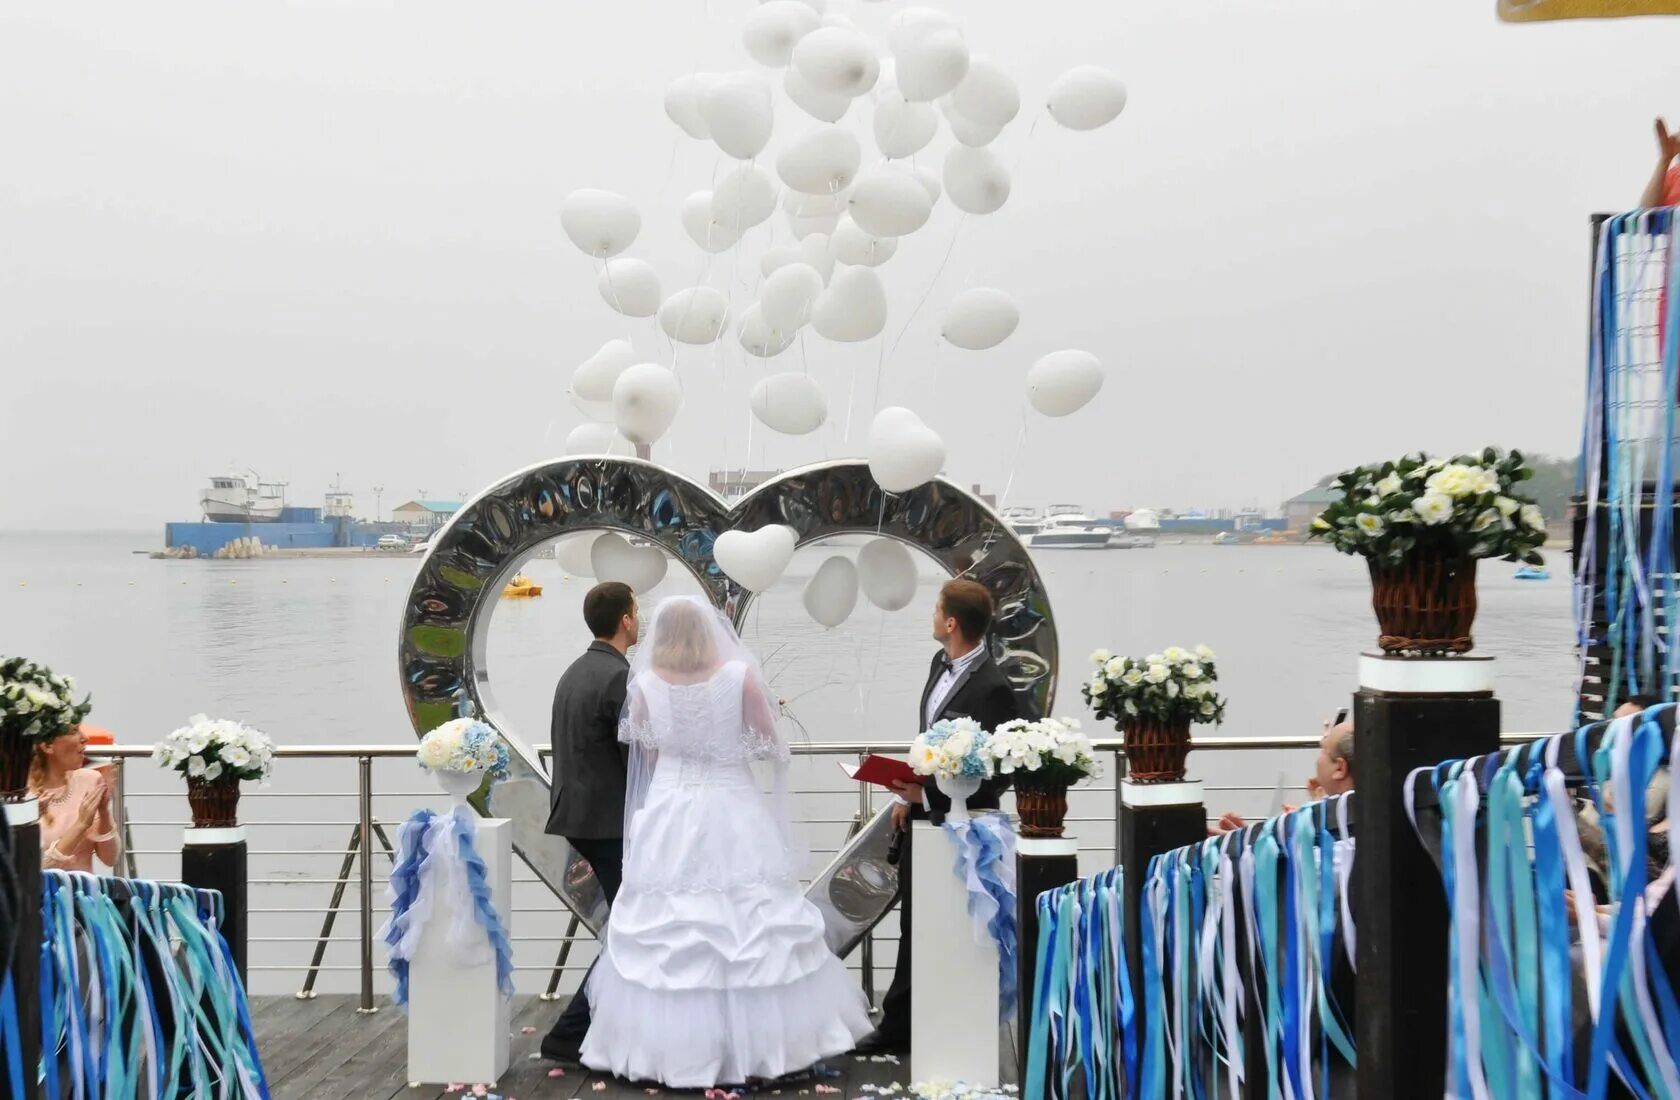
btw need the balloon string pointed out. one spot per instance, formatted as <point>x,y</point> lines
<point>1014,463</point>
<point>929,292</point>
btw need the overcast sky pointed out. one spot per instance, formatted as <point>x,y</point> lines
<point>320,239</point>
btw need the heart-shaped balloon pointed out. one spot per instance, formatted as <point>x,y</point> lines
<point>887,573</point>
<point>755,560</point>
<point>903,451</point>
<point>832,591</point>
<point>645,401</point>
<point>1063,382</point>
<point>613,558</point>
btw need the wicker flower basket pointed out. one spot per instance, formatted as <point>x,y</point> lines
<point>214,805</point>
<point>1156,751</point>
<point>1042,810</point>
<point>1426,605</point>
<point>15,754</point>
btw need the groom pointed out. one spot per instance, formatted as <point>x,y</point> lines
<point>589,768</point>
<point>963,682</point>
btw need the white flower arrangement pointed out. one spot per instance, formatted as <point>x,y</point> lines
<point>466,746</point>
<point>1468,505</point>
<point>216,750</point>
<point>1173,685</point>
<point>37,704</point>
<point>1051,752</point>
<point>953,748</point>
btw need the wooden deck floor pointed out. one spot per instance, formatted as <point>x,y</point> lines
<point>323,1050</point>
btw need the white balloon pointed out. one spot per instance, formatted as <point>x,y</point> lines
<point>980,318</point>
<point>837,60</point>
<point>594,377</point>
<point>747,196</point>
<point>930,181</point>
<point>911,24</point>
<point>703,226</point>
<point>694,315</point>
<point>759,338</point>
<point>851,245</point>
<point>903,451</point>
<point>819,105</point>
<point>645,401</point>
<point>821,162</point>
<point>788,294</point>
<point>853,308</point>
<point>755,559</point>
<point>597,439</point>
<point>903,128</point>
<point>777,257</point>
<point>987,95</point>
<point>1086,97</point>
<point>600,223</point>
<point>739,114</point>
<point>930,65</point>
<point>887,204</point>
<point>832,592</point>
<point>1063,382</point>
<point>966,130</point>
<point>770,30</point>
<point>976,179</point>
<point>572,552</point>
<point>818,6</point>
<point>630,286</point>
<point>887,574</point>
<point>816,251</point>
<point>802,205</point>
<point>613,558</point>
<point>806,228</point>
<point>682,103</point>
<point>789,403</point>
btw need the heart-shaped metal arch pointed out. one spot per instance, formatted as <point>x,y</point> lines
<point>445,626</point>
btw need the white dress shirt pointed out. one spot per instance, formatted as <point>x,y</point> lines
<point>942,691</point>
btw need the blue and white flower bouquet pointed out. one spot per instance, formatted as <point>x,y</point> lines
<point>465,746</point>
<point>954,748</point>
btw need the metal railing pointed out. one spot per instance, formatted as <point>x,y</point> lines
<point>359,854</point>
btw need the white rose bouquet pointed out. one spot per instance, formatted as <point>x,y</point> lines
<point>1174,685</point>
<point>466,746</point>
<point>1051,752</point>
<point>954,748</point>
<point>37,704</point>
<point>216,750</point>
<point>1466,506</point>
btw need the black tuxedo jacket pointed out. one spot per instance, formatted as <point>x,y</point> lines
<point>589,766</point>
<point>983,694</point>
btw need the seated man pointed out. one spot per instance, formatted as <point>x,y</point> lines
<point>1332,772</point>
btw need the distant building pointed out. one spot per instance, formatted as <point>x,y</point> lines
<point>1300,510</point>
<point>425,513</point>
<point>732,485</point>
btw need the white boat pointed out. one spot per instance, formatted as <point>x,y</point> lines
<point>1122,540</point>
<point>1022,521</point>
<point>1066,527</point>
<point>240,499</point>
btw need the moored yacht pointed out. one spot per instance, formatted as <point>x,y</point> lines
<point>1022,521</point>
<point>1067,527</point>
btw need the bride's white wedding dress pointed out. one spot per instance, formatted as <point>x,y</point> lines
<point>714,968</point>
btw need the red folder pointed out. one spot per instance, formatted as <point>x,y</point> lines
<point>883,771</point>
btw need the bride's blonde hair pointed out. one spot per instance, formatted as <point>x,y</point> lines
<point>682,639</point>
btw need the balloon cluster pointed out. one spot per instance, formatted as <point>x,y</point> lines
<point>847,218</point>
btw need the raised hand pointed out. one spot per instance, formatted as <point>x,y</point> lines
<point>1668,144</point>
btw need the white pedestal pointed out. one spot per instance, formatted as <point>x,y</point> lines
<point>1425,675</point>
<point>1151,795</point>
<point>954,1010</point>
<point>458,1023</point>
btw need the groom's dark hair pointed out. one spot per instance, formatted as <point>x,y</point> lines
<point>605,606</point>
<point>970,603</point>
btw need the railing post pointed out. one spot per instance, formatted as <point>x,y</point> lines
<point>364,821</point>
<point>552,993</point>
<point>125,853</point>
<point>866,950</point>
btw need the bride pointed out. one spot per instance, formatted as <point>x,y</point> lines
<point>714,968</point>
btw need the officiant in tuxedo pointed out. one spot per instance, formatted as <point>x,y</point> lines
<point>963,682</point>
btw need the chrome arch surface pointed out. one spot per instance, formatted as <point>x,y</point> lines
<point>444,637</point>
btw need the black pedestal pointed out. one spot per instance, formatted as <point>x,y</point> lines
<point>1399,904</point>
<point>26,956</point>
<point>216,859</point>
<point>1146,831</point>
<point>1040,865</point>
